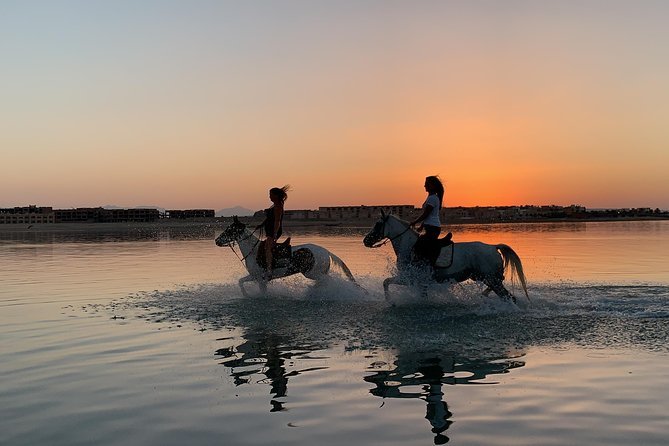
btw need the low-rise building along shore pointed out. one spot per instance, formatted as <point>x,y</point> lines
<point>102,215</point>
<point>476,214</point>
<point>30,215</point>
<point>27,215</point>
<point>40,215</point>
<point>346,213</point>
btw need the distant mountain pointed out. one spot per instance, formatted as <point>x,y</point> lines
<point>237,210</point>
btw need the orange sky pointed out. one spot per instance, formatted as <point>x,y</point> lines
<point>209,104</point>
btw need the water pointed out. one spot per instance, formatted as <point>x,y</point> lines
<point>143,338</point>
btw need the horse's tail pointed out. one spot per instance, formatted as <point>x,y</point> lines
<point>512,259</point>
<point>340,263</point>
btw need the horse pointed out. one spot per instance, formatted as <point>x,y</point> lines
<point>478,261</point>
<point>311,260</point>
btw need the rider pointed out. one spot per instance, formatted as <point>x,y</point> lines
<point>273,223</point>
<point>429,218</point>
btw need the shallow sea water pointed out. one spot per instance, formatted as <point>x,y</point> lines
<point>142,337</point>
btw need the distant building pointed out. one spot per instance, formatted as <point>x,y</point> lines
<point>130,215</point>
<point>403,211</point>
<point>101,215</point>
<point>448,215</point>
<point>346,213</point>
<point>79,215</point>
<point>27,215</point>
<point>296,214</point>
<point>479,214</point>
<point>454,214</point>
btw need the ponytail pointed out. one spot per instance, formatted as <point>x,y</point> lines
<point>437,187</point>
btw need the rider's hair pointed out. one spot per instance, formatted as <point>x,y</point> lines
<point>435,185</point>
<point>281,192</point>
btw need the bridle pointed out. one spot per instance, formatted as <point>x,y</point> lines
<point>388,239</point>
<point>231,244</point>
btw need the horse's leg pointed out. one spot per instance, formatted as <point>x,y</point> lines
<point>386,285</point>
<point>262,284</point>
<point>495,284</point>
<point>398,281</point>
<point>486,291</point>
<point>243,280</point>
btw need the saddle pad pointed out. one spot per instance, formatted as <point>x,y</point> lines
<point>445,258</point>
<point>281,254</point>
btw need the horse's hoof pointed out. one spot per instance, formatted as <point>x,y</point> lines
<point>509,299</point>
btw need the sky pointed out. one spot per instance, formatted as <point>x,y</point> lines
<point>208,104</point>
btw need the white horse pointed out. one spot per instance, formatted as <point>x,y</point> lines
<point>312,261</point>
<point>470,260</point>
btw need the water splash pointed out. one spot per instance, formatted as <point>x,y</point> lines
<point>452,318</point>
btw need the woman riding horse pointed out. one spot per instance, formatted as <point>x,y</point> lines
<point>426,248</point>
<point>273,223</point>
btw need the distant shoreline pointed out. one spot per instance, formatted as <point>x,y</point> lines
<point>221,222</point>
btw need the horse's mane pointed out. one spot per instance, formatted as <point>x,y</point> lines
<point>403,222</point>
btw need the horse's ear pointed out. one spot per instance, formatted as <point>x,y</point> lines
<point>383,213</point>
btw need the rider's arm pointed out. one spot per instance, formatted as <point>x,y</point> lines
<point>426,211</point>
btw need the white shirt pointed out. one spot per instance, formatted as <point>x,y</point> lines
<point>433,217</point>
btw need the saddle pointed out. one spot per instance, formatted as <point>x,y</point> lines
<point>427,251</point>
<point>281,254</point>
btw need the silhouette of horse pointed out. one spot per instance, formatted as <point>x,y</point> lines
<point>471,260</point>
<point>313,261</point>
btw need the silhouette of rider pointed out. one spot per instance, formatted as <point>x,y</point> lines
<point>426,246</point>
<point>273,223</point>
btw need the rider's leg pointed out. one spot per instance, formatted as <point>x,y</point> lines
<point>429,243</point>
<point>269,245</point>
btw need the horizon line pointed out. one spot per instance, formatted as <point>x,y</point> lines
<point>334,206</point>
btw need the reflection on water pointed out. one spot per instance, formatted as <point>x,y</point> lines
<point>415,352</point>
<point>265,354</point>
<point>423,375</point>
<point>497,228</point>
<point>92,352</point>
<point>429,374</point>
<point>270,359</point>
<point>597,252</point>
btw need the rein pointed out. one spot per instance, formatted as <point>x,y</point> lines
<point>242,259</point>
<point>390,239</point>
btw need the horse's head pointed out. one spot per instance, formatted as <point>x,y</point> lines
<point>232,233</point>
<point>387,227</point>
<point>378,232</point>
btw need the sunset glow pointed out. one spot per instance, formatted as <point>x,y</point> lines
<point>208,104</point>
